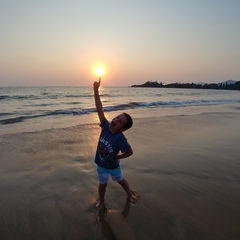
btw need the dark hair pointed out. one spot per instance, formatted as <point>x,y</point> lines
<point>129,121</point>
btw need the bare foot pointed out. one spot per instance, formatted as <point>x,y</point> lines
<point>132,198</point>
<point>99,204</point>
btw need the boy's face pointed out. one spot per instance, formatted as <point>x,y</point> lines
<point>118,123</point>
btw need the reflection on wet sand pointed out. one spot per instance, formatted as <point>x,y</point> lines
<point>104,217</point>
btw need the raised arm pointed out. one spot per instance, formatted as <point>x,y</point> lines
<point>98,102</point>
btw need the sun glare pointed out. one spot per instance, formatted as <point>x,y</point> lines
<point>99,71</point>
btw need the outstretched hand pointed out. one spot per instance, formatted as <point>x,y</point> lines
<point>97,84</point>
<point>98,102</point>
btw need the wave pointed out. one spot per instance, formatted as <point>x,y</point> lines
<point>131,105</point>
<point>44,97</point>
<point>202,102</point>
<point>18,97</point>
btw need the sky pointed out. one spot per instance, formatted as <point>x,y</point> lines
<point>59,42</point>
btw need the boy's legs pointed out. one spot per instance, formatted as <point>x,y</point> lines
<point>118,177</point>
<point>127,189</point>
<point>101,193</point>
<point>103,178</point>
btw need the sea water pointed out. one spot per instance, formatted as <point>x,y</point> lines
<point>24,109</point>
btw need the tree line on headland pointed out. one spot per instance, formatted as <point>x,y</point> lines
<point>223,85</point>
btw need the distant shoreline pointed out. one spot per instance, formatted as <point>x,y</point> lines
<point>224,85</point>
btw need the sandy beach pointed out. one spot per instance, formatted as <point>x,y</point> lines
<point>185,171</point>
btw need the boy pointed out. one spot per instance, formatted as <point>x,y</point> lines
<point>112,146</point>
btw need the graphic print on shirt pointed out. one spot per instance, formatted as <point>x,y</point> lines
<point>105,149</point>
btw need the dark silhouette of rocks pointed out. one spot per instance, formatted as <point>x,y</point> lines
<point>233,85</point>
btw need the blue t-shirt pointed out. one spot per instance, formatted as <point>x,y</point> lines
<point>109,145</point>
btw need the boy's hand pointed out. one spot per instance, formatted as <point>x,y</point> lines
<point>124,155</point>
<point>97,84</point>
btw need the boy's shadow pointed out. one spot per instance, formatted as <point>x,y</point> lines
<point>105,226</point>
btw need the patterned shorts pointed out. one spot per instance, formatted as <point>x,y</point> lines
<point>103,174</point>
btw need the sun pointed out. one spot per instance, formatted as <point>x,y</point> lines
<point>99,71</point>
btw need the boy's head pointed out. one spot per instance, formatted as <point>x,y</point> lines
<point>129,121</point>
<point>121,123</point>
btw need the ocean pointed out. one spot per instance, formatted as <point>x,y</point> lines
<point>29,109</point>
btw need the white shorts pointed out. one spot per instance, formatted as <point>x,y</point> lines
<point>103,174</point>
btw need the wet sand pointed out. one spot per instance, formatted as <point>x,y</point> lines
<point>185,171</point>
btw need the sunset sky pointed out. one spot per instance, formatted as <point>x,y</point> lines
<point>58,42</point>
